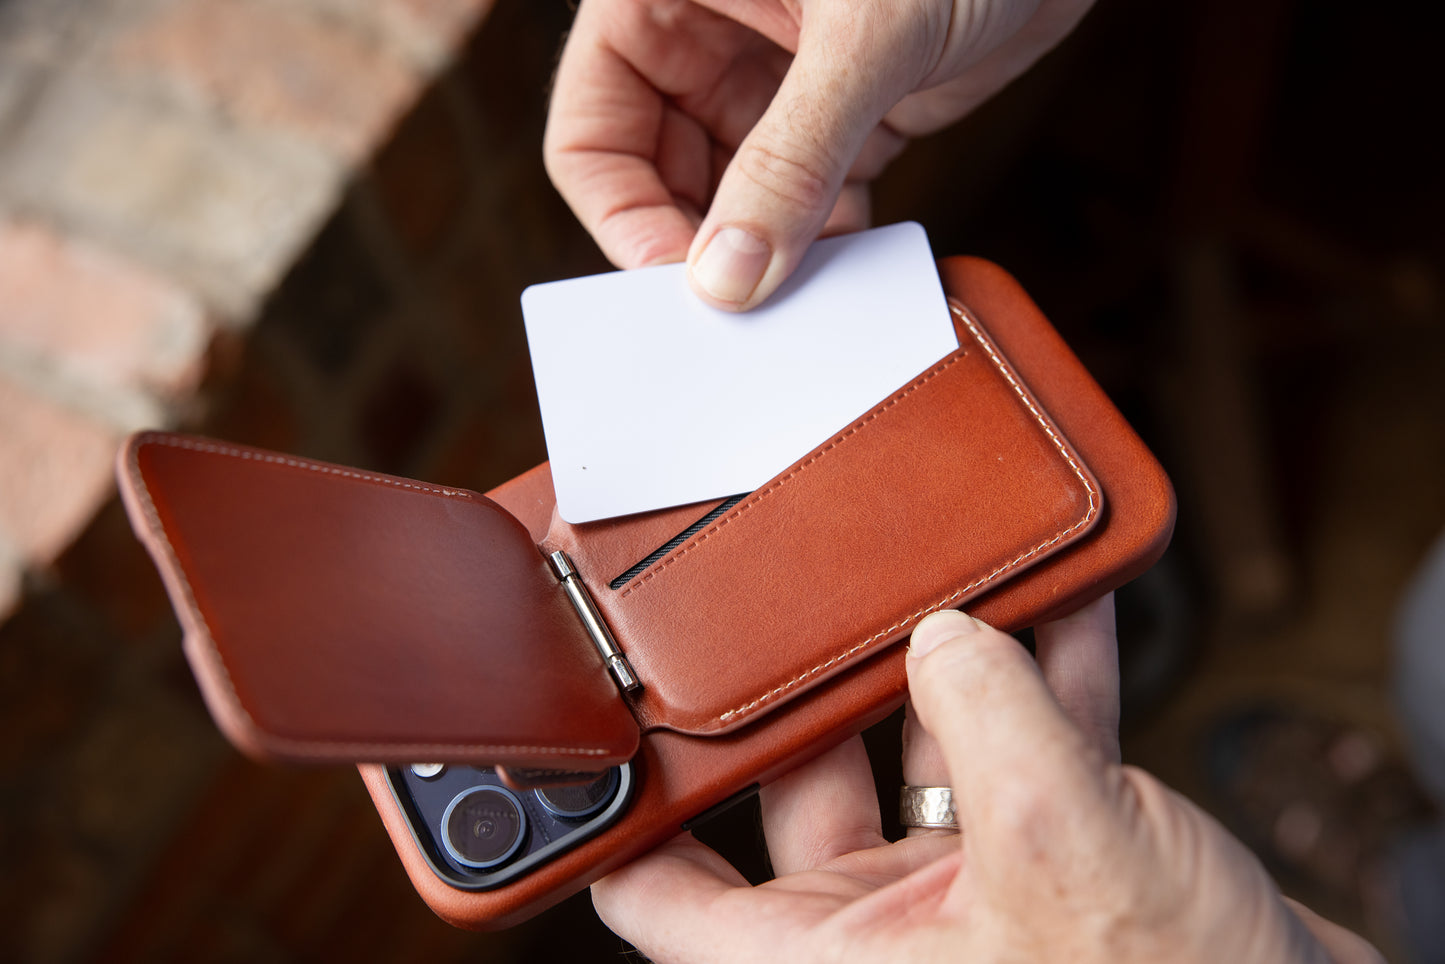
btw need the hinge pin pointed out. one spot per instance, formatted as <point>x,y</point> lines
<point>601,636</point>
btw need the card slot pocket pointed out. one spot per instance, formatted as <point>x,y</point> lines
<point>599,550</point>
<point>946,489</point>
<point>661,551</point>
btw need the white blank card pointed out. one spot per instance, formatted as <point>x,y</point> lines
<point>651,398</point>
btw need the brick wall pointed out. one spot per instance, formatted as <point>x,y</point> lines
<point>297,225</point>
<point>162,167</point>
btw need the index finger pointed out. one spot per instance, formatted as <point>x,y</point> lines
<point>661,903</point>
<point>1079,658</point>
<point>602,133</point>
<point>822,810</point>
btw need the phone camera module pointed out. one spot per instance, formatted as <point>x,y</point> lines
<point>582,799</point>
<point>483,826</point>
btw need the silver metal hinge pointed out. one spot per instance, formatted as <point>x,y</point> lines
<point>587,611</point>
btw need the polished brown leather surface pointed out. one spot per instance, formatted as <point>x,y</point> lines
<point>681,775</point>
<point>956,483</point>
<point>339,615</point>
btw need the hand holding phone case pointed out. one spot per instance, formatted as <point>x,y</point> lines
<point>338,615</point>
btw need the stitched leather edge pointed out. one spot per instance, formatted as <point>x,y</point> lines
<point>1090,513</point>
<point>291,461</point>
<point>268,741</point>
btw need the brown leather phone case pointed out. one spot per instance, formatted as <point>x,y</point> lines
<point>337,615</point>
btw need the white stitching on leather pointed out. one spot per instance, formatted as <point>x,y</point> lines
<point>779,482</point>
<point>308,748</point>
<point>1003,368</point>
<point>214,448</point>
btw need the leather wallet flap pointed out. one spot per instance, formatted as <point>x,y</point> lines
<point>338,615</point>
<point>944,491</point>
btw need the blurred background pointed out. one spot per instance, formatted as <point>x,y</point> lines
<point>305,224</point>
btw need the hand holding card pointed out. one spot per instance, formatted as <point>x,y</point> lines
<point>651,398</point>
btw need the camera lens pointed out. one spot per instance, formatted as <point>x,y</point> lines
<point>483,826</point>
<point>581,799</point>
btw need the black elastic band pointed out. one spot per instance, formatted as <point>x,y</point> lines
<point>675,541</point>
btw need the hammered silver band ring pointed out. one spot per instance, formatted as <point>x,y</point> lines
<point>930,808</point>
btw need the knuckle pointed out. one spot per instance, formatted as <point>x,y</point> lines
<point>637,237</point>
<point>1025,812</point>
<point>553,163</point>
<point>800,177</point>
<point>1021,821</point>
